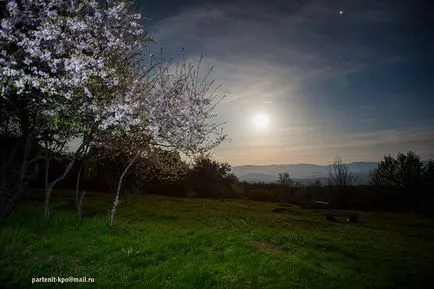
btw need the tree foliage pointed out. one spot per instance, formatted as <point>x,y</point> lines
<point>209,178</point>
<point>285,179</point>
<point>404,171</point>
<point>410,176</point>
<point>76,69</point>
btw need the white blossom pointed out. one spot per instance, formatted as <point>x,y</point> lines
<point>66,57</point>
<point>60,41</point>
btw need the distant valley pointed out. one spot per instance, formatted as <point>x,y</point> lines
<point>304,173</point>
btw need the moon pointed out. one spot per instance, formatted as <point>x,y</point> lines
<point>261,121</point>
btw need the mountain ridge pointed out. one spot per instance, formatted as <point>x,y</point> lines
<point>301,171</point>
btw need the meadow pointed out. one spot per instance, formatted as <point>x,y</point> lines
<point>165,242</point>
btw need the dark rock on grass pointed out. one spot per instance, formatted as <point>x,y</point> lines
<point>279,210</point>
<point>350,217</point>
<point>353,218</point>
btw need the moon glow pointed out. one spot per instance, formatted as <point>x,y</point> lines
<point>261,121</point>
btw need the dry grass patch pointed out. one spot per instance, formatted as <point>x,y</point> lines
<point>268,247</point>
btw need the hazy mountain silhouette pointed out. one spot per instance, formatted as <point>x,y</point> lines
<point>305,173</point>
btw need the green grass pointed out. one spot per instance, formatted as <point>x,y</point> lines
<point>161,242</point>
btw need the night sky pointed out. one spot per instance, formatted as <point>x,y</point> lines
<point>347,78</point>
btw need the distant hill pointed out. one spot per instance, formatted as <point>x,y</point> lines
<point>304,173</point>
<point>254,178</point>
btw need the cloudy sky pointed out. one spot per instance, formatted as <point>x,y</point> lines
<point>348,78</point>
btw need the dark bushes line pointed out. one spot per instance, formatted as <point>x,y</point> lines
<point>207,178</point>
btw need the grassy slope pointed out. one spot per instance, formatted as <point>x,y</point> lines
<point>161,242</point>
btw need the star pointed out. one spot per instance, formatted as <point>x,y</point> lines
<point>341,12</point>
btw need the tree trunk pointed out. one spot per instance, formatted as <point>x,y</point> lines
<point>53,183</point>
<point>80,206</point>
<point>51,186</point>
<point>116,202</point>
<point>77,186</point>
<point>12,193</point>
<point>47,167</point>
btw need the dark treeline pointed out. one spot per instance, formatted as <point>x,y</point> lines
<point>401,184</point>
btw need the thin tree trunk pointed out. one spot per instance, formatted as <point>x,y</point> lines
<point>7,164</point>
<point>80,206</point>
<point>5,182</point>
<point>47,167</point>
<point>116,202</point>
<point>77,186</point>
<point>53,183</point>
<point>24,162</point>
<point>51,186</point>
<point>12,194</point>
<point>20,184</point>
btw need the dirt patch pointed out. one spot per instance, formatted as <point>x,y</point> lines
<point>76,262</point>
<point>268,247</point>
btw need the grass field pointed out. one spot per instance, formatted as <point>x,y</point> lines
<point>161,242</point>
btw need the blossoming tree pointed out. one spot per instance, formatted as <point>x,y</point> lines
<point>170,108</point>
<point>70,69</point>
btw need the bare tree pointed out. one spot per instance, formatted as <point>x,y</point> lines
<point>339,174</point>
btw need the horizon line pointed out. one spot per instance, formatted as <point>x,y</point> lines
<point>287,164</point>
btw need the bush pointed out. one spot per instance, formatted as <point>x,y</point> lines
<point>211,179</point>
<point>237,190</point>
<point>262,195</point>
